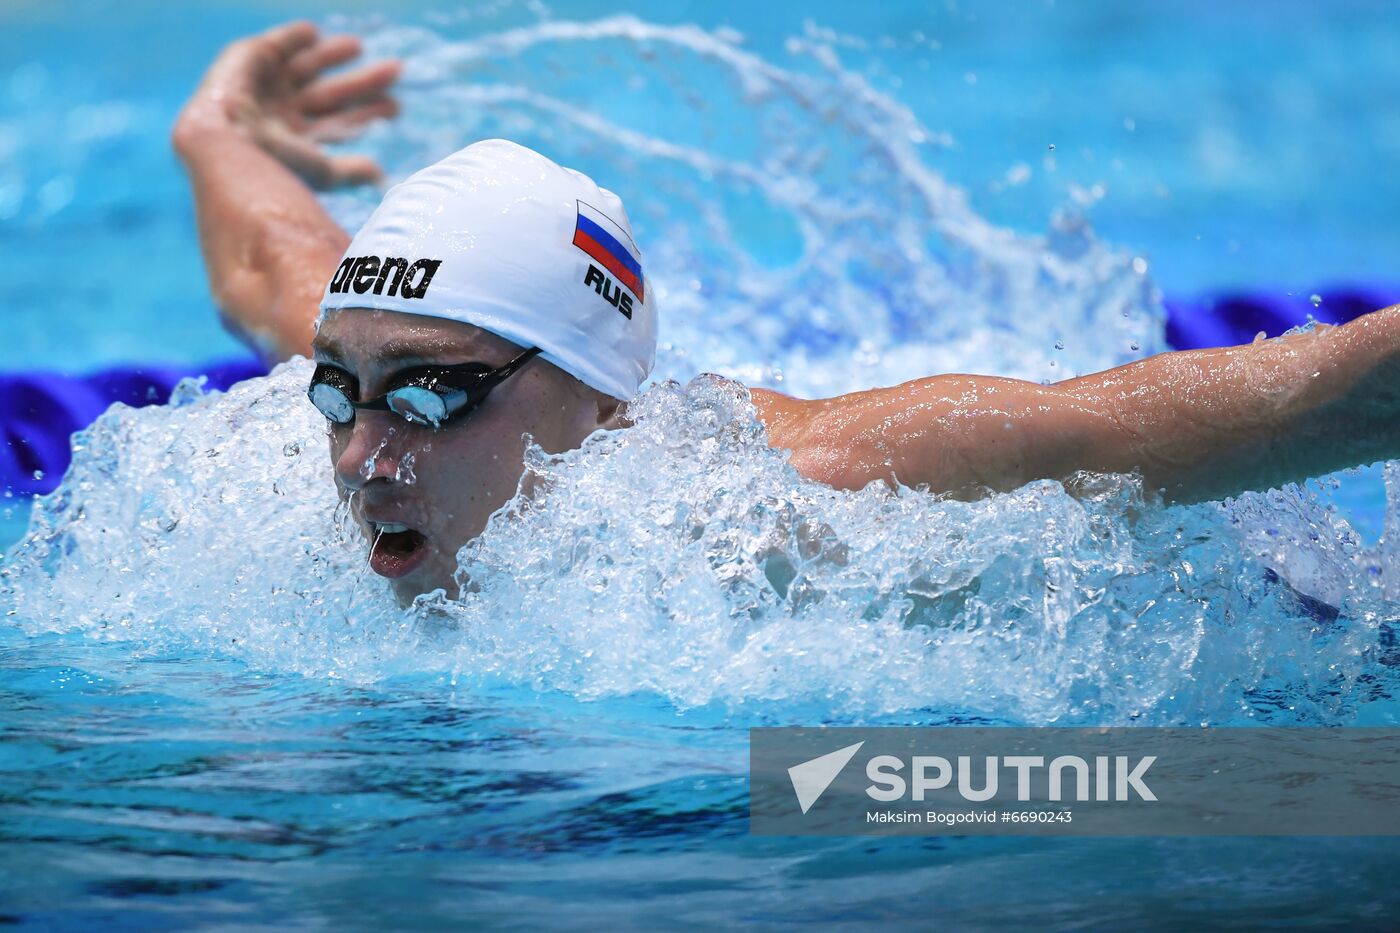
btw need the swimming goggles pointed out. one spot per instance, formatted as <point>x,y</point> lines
<point>426,395</point>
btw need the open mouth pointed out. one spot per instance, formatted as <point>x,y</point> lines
<point>396,550</point>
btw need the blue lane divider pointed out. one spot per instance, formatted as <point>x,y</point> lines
<point>40,410</point>
<point>1233,318</point>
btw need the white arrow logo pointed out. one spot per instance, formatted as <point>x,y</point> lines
<point>811,778</point>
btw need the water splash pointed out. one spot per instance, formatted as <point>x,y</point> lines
<point>816,248</point>
<point>213,523</point>
<point>813,246</point>
<point>685,557</point>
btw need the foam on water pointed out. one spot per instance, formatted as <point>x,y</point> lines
<point>684,557</point>
<point>812,246</point>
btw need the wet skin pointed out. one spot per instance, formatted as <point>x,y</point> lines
<point>462,472</point>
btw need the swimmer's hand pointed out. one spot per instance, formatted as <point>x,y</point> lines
<point>250,140</point>
<point>273,90</point>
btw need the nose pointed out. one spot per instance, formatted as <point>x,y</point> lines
<point>371,452</point>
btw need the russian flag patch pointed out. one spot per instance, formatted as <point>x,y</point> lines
<point>609,246</point>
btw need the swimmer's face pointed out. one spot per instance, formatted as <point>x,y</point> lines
<point>440,485</point>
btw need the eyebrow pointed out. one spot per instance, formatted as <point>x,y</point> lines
<point>401,351</point>
<point>327,348</point>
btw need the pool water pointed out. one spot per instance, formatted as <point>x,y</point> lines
<point>213,714</point>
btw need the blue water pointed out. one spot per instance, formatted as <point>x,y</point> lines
<point>210,714</point>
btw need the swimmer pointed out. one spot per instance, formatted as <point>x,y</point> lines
<point>496,295</point>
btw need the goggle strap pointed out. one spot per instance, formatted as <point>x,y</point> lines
<point>515,364</point>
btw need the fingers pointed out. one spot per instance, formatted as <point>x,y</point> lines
<point>300,155</point>
<point>320,170</point>
<point>348,123</point>
<point>328,95</point>
<point>290,38</point>
<point>355,170</point>
<point>323,55</point>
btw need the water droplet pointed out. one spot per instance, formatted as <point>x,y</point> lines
<point>367,468</point>
<point>38,474</point>
<point>404,471</point>
<point>291,449</point>
<point>1133,346</point>
<point>1059,344</point>
<point>1139,265</point>
<point>1052,147</point>
<point>1316,300</point>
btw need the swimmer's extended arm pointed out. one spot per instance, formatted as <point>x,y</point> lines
<point>1199,424</point>
<point>250,141</point>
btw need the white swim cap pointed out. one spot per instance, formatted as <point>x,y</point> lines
<point>498,236</point>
